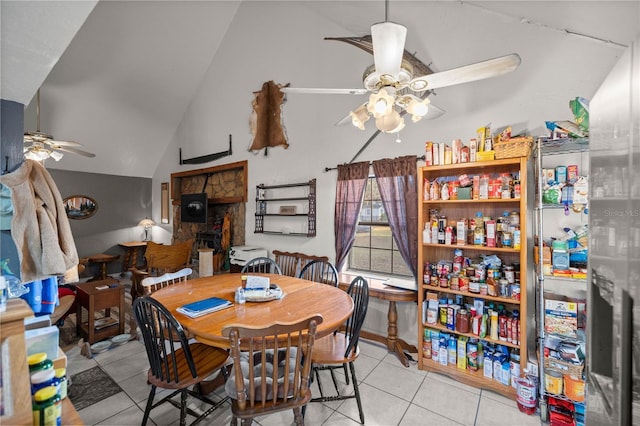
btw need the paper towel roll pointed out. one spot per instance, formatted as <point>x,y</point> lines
<point>205,257</point>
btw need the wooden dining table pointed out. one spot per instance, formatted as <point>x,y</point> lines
<point>301,299</point>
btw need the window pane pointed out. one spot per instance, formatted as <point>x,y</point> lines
<point>399,265</point>
<point>381,237</point>
<point>381,261</point>
<point>365,211</point>
<point>359,258</point>
<point>363,234</point>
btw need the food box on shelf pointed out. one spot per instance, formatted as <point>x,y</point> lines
<point>560,317</point>
<point>465,193</point>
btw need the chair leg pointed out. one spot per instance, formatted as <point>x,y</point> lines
<point>297,415</point>
<point>356,391</point>
<point>346,374</point>
<point>319,381</point>
<point>183,407</point>
<point>335,381</point>
<point>147,409</point>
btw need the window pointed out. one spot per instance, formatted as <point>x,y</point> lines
<point>374,249</point>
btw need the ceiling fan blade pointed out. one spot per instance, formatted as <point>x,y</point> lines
<point>62,143</point>
<point>322,91</point>
<point>388,46</point>
<point>468,73</point>
<point>72,150</point>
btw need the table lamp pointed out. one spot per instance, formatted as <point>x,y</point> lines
<point>147,224</point>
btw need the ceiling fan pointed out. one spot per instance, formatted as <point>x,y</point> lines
<point>393,87</point>
<point>39,146</point>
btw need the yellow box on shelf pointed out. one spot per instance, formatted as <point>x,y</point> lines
<point>485,156</point>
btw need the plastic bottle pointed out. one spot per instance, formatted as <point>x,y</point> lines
<point>63,382</point>
<point>47,408</point>
<point>494,325</point>
<point>484,187</point>
<point>426,233</point>
<point>502,323</point>
<point>38,362</point>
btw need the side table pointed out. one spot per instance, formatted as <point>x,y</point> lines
<point>93,299</point>
<point>102,259</point>
<point>392,294</point>
<point>132,248</point>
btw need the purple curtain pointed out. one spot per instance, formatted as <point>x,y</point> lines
<point>352,179</point>
<point>397,181</point>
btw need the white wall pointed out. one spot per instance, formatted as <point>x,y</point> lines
<point>555,68</point>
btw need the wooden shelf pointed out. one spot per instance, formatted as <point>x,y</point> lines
<point>286,192</point>
<point>469,294</point>
<point>473,378</point>
<point>472,247</point>
<point>440,327</point>
<point>432,253</point>
<point>489,200</point>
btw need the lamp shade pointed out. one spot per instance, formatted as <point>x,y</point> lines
<point>146,223</point>
<point>390,123</point>
<point>359,117</point>
<point>388,47</point>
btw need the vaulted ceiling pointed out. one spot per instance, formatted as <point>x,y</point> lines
<point>118,76</point>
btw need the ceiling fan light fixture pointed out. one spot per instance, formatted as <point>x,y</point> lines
<point>381,103</point>
<point>388,47</point>
<point>56,155</point>
<point>417,108</point>
<point>359,117</point>
<point>390,123</point>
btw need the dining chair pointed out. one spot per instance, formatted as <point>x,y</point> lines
<point>270,371</point>
<point>174,363</point>
<point>160,259</point>
<point>339,350</point>
<point>320,271</point>
<point>263,265</point>
<point>151,284</point>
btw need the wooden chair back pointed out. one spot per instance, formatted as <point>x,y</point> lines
<point>271,367</point>
<point>292,263</point>
<point>163,258</point>
<point>262,265</point>
<point>320,271</point>
<point>359,292</point>
<point>151,284</point>
<point>160,259</point>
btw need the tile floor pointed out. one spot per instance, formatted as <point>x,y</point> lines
<point>391,395</point>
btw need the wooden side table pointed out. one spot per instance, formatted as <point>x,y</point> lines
<point>392,294</point>
<point>132,248</point>
<point>102,259</point>
<point>93,300</point>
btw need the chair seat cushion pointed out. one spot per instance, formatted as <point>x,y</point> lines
<point>331,350</point>
<point>230,386</point>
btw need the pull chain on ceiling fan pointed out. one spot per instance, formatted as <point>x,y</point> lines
<point>393,88</point>
<point>39,145</point>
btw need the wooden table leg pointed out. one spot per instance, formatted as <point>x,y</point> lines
<point>127,260</point>
<point>393,343</point>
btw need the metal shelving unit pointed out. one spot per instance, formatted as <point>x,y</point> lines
<point>567,286</point>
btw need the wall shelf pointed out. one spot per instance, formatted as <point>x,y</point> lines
<point>269,204</point>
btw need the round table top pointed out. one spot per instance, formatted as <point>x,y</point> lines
<point>302,299</point>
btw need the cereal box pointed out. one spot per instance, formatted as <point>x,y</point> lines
<point>560,317</point>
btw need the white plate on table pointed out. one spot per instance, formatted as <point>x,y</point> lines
<point>98,348</point>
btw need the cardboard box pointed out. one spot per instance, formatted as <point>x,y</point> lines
<point>546,255</point>
<point>465,193</point>
<point>561,317</point>
<point>485,155</point>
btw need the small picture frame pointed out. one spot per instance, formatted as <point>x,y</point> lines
<point>80,206</point>
<point>288,210</point>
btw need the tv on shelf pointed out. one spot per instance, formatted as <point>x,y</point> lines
<point>193,208</point>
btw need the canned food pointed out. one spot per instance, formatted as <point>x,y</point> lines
<point>509,273</point>
<point>444,282</point>
<point>503,287</point>
<point>515,291</point>
<point>474,285</point>
<point>463,283</point>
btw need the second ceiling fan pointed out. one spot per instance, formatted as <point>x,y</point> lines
<point>393,88</point>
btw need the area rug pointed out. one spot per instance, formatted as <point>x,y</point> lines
<point>91,386</point>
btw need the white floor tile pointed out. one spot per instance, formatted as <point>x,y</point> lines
<point>105,409</point>
<point>494,413</point>
<point>131,416</point>
<point>451,382</point>
<point>338,419</point>
<point>396,380</point>
<point>420,416</point>
<point>380,408</point>
<point>448,401</point>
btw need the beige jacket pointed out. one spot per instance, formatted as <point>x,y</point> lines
<point>40,227</point>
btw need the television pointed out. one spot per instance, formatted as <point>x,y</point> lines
<point>193,208</point>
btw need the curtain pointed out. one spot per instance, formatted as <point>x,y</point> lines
<point>397,181</point>
<point>352,179</point>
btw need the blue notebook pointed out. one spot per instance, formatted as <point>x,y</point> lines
<point>203,307</point>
